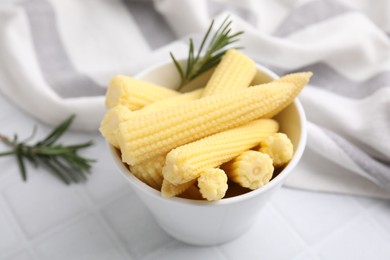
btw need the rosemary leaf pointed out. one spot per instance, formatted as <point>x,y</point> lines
<point>53,169</point>
<point>196,64</point>
<point>57,132</point>
<point>177,65</point>
<point>79,146</point>
<point>63,161</point>
<point>22,167</point>
<point>7,153</point>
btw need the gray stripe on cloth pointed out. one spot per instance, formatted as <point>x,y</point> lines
<point>377,170</point>
<point>325,77</point>
<point>214,8</point>
<point>308,14</point>
<point>152,24</point>
<point>56,66</point>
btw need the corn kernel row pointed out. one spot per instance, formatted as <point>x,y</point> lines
<point>134,93</point>
<point>150,134</point>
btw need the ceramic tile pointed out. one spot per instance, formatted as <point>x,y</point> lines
<point>315,215</point>
<point>359,240</point>
<point>269,238</point>
<point>8,237</point>
<point>23,126</point>
<point>381,216</point>
<point>105,180</point>
<point>42,198</point>
<point>7,164</point>
<point>21,255</point>
<point>135,226</point>
<point>307,255</point>
<point>179,251</point>
<point>84,239</point>
<point>367,202</point>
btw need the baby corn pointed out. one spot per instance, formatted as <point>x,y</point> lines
<point>279,147</point>
<point>134,93</point>
<point>151,170</point>
<point>299,80</point>
<point>175,100</point>
<point>169,190</point>
<point>187,162</point>
<point>150,134</point>
<point>121,113</point>
<point>235,71</point>
<point>212,184</point>
<point>109,125</point>
<point>251,169</point>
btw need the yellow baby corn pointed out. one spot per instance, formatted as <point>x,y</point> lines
<point>251,169</point>
<point>299,80</point>
<point>234,71</point>
<point>139,176</point>
<point>150,134</point>
<point>110,122</point>
<point>169,190</point>
<point>147,179</point>
<point>120,113</point>
<point>134,93</point>
<point>212,184</point>
<point>279,147</point>
<point>187,162</point>
<point>151,170</point>
<point>175,100</point>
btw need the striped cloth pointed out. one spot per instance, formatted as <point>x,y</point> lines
<point>57,57</point>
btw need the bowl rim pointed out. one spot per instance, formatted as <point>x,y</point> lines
<point>151,192</point>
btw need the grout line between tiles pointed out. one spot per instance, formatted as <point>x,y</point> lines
<point>95,210</point>
<point>35,241</point>
<point>222,253</point>
<point>375,204</point>
<point>105,202</point>
<point>92,209</point>
<point>24,243</point>
<point>52,231</point>
<point>376,223</point>
<point>330,234</point>
<point>288,224</point>
<point>28,250</point>
<point>308,251</point>
<point>108,202</point>
<point>10,218</point>
<point>160,250</point>
<point>337,231</point>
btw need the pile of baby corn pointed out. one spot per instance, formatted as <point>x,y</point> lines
<point>195,143</point>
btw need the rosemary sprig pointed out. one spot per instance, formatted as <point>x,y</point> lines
<point>217,46</point>
<point>60,160</point>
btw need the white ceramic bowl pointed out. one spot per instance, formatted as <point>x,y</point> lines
<point>210,223</point>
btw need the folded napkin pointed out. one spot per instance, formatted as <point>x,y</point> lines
<point>57,58</point>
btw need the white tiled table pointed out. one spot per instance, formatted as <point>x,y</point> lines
<point>102,219</point>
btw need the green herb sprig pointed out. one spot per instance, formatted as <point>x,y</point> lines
<point>61,160</point>
<point>217,46</point>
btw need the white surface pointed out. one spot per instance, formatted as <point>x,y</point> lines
<point>102,219</point>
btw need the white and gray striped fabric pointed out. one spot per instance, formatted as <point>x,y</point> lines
<point>56,58</point>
